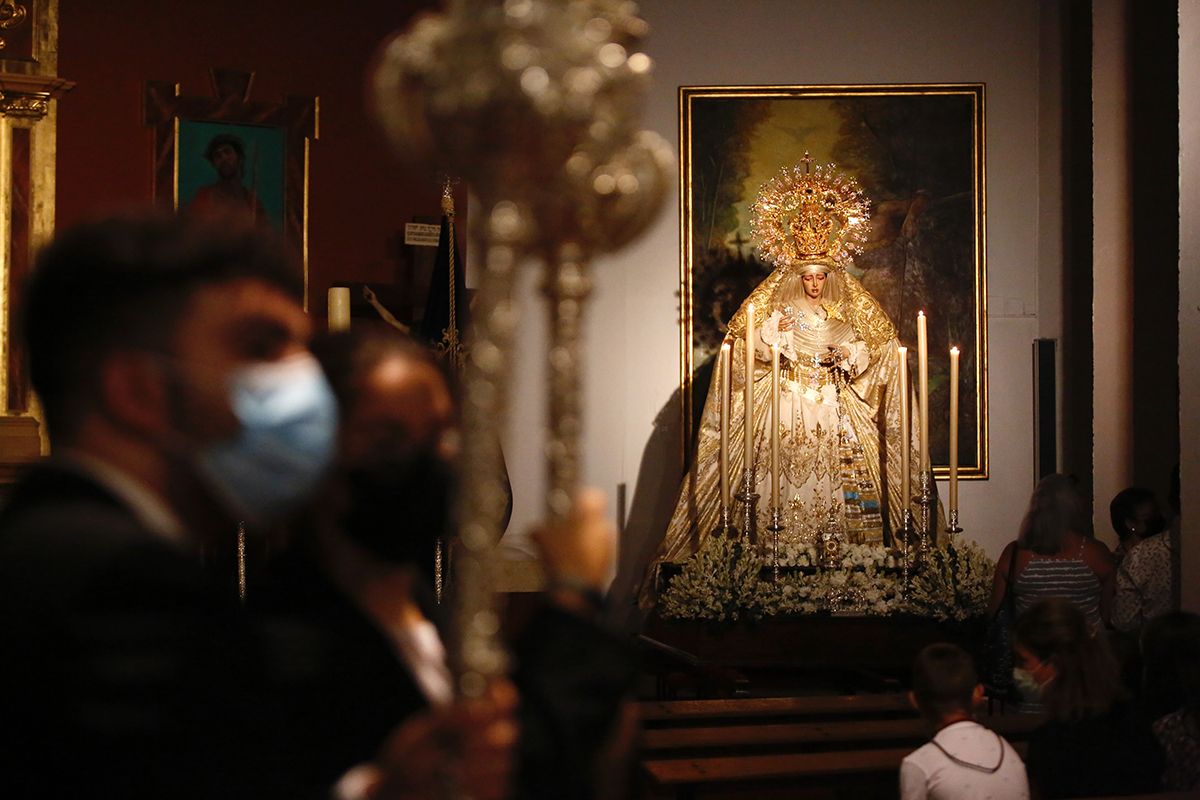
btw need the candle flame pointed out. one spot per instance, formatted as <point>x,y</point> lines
<point>954,350</point>
<point>725,347</point>
<point>920,313</point>
<point>902,349</point>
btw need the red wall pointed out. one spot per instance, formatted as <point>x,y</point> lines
<point>359,197</point>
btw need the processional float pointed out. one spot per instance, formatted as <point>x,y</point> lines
<point>533,103</point>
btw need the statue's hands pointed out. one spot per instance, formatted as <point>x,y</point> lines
<point>786,323</point>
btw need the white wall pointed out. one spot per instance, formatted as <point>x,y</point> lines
<point>1189,295</point>
<point>633,350</point>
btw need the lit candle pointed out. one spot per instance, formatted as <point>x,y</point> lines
<point>726,373</point>
<point>774,426</point>
<point>923,388</point>
<point>953,430</point>
<point>748,404</point>
<point>905,429</point>
<point>339,309</point>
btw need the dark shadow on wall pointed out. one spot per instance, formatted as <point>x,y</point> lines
<point>659,475</point>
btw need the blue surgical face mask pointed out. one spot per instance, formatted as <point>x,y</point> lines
<point>288,431</point>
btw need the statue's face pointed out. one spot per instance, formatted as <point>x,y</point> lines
<point>814,284</point>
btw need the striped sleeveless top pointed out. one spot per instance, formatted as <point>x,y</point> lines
<point>1068,578</point>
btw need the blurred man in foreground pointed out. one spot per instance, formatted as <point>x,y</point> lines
<point>171,361</point>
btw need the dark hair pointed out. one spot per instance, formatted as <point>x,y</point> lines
<point>225,139</point>
<point>347,357</point>
<point>944,680</point>
<point>1171,663</point>
<point>1087,680</point>
<point>122,283</point>
<point>1054,508</point>
<point>1124,506</point>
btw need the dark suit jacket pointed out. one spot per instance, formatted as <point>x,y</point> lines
<point>121,673</point>
<point>570,673</point>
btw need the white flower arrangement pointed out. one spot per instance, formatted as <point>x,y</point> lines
<point>726,581</point>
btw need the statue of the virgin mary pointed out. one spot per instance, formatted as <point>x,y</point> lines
<point>840,434</point>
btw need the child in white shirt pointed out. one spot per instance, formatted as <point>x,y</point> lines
<point>964,760</point>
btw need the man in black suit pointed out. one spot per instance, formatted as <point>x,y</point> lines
<point>171,362</point>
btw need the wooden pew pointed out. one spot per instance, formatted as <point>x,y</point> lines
<point>813,735</point>
<point>661,713</point>
<point>854,773</point>
<point>817,746</point>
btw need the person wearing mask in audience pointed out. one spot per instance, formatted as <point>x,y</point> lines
<point>964,760</point>
<point>1171,655</point>
<point>1145,578</point>
<point>1054,557</point>
<point>180,399</point>
<point>1135,516</point>
<point>356,588</point>
<point>1096,741</point>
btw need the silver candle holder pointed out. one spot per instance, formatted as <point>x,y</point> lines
<point>775,528</point>
<point>926,500</point>
<point>952,528</point>
<point>749,500</point>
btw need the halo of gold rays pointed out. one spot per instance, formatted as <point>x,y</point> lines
<point>808,213</point>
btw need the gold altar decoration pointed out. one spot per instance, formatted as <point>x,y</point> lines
<point>533,102</point>
<point>29,92</point>
<point>805,214</point>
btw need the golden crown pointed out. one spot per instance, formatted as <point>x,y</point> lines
<point>806,213</point>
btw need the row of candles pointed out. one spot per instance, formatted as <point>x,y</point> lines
<point>726,373</point>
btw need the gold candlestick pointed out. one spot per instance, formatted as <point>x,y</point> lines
<point>726,364</point>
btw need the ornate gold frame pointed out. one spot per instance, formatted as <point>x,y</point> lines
<point>231,103</point>
<point>689,96</point>
<point>30,89</point>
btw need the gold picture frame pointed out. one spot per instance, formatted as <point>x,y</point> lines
<point>918,150</point>
<point>274,137</point>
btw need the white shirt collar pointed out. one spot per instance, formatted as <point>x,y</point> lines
<point>151,510</point>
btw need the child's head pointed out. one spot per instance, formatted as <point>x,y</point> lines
<point>944,681</point>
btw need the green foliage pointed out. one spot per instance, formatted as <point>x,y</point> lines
<point>719,583</point>
<point>725,582</point>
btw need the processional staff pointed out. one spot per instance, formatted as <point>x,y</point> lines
<point>449,91</point>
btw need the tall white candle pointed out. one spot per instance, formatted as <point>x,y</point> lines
<point>726,373</point>
<point>774,426</point>
<point>339,308</point>
<point>905,428</point>
<point>953,430</point>
<point>748,404</point>
<point>923,387</point>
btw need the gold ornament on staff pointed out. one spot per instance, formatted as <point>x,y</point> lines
<point>532,102</point>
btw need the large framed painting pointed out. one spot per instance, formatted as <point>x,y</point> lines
<point>918,153</point>
<point>230,155</point>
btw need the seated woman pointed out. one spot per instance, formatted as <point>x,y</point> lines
<point>1095,742</point>
<point>1054,559</point>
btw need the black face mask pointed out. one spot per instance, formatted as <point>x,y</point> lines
<point>399,509</point>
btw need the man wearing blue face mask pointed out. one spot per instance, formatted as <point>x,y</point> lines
<point>171,362</point>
